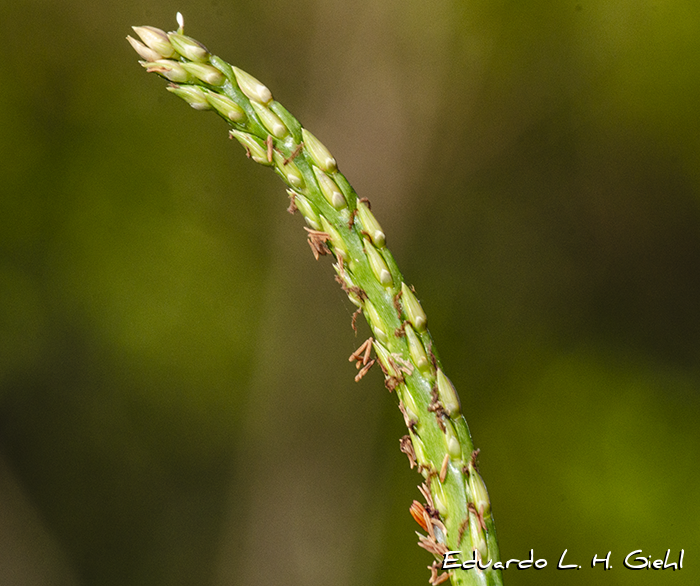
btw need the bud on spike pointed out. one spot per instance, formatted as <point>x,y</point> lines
<point>378,326</point>
<point>451,442</point>
<point>189,48</point>
<point>320,155</point>
<point>413,309</point>
<point>338,243</point>
<point>252,88</point>
<point>226,107</point>
<point>205,73</point>
<point>270,120</point>
<point>171,70</point>
<point>479,492</point>
<point>378,265</point>
<point>192,94</point>
<point>307,209</point>
<point>255,150</point>
<point>415,347</point>
<point>477,537</point>
<point>330,190</point>
<point>155,39</point>
<point>448,394</point>
<point>288,170</point>
<point>370,225</point>
<point>146,53</point>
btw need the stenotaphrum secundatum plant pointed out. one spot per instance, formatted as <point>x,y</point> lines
<point>456,512</point>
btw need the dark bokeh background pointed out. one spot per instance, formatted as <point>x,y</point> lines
<point>176,404</point>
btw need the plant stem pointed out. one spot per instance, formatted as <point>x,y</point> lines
<point>456,515</point>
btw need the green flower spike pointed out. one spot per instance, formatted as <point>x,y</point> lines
<point>457,509</point>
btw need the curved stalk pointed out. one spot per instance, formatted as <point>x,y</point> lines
<point>456,515</point>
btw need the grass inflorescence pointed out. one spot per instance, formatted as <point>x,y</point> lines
<point>456,513</point>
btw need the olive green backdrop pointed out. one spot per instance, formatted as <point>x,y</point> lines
<point>176,403</point>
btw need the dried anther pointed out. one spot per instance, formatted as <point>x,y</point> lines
<point>361,355</point>
<point>435,577</point>
<point>472,508</point>
<point>429,544</point>
<point>397,303</point>
<point>463,526</point>
<point>410,423</point>
<point>317,241</point>
<point>391,382</point>
<point>420,515</point>
<point>475,455</point>
<point>294,154</point>
<point>407,448</point>
<point>292,203</point>
<point>364,370</point>
<point>437,408</point>
<point>268,143</point>
<point>443,468</point>
<point>400,365</point>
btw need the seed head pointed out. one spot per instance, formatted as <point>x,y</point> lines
<point>320,155</point>
<point>155,39</point>
<point>252,88</point>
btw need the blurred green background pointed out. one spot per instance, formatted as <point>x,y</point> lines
<point>176,404</point>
